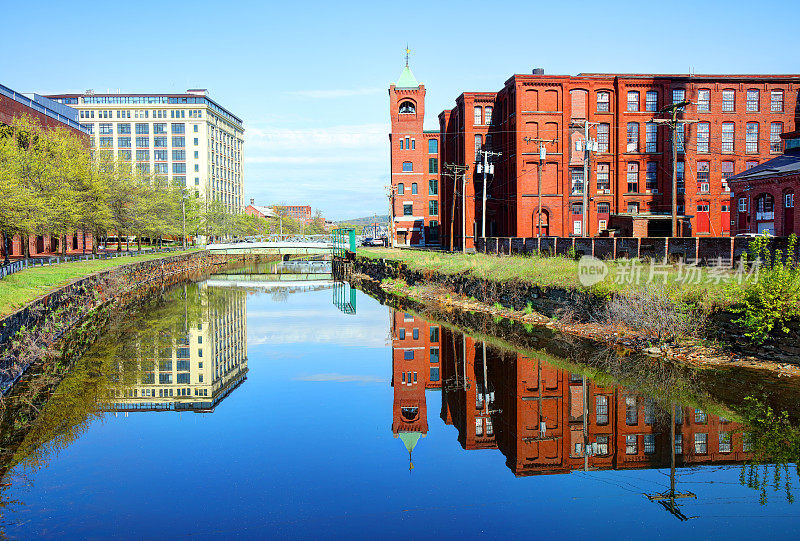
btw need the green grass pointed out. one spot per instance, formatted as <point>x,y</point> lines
<point>561,272</point>
<point>20,288</point>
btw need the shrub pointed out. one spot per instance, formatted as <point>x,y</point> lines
<point>652,309</point>
<point>771,300</point>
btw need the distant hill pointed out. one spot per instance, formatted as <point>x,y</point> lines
<point>381,219</point>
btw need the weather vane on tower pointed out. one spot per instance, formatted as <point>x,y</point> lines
<point>408,52</point>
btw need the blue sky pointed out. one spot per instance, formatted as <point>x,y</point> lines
<point>310,78</point>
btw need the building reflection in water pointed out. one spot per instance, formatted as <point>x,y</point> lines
<point>543,419</point>
<point>191,365</point>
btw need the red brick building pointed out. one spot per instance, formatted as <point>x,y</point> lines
<point>301,213</point>
<point>51,115</point>
<point>259,211</point>
<point>737,120</point>
<point>533,412</point>
<point>763,196</point>
<point>415,368</point>
<point>414,159</point>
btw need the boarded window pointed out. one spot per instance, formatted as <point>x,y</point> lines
<point>578,98</point>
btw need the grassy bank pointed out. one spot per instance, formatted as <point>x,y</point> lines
<point>20,288</point>
<point>704,286</point>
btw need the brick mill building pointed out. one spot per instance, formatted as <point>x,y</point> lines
<point>414,158</point>
<point>734,123</point>
<point>51,115</point>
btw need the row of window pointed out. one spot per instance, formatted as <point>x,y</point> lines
<point>433,208</point>
<point>482,115</point>
<point>434,336</point>
<point>433,166</point>
<point>433,188</point>
<point>141,128</point>
<point>144,113</point>
<point>728,102</point>
<point>409,143</point>
<point>765,205</point>
<point>703,139</point>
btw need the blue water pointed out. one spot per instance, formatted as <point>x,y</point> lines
<point>303,448</point>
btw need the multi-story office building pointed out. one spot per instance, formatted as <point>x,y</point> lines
<point>414,166</point>
<point>188,138</point>
<point>191,367</point>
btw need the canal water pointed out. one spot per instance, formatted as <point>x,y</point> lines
<point>274,403</point>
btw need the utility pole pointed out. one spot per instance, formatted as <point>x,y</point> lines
<point>667,499</point>
<point>183,212</point>
<point>588,144</point>
<point>673,122</point>
<point>391,215</point>
<point>542,156</point>
<point>487,168</point>
<point>454,170</point>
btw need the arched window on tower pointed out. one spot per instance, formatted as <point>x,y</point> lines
<point>408,107</point>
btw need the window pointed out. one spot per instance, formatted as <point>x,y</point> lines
<point>401,144</point>
<point>407,107</point>
<point>752,101</point>
<point>179,141</point>
<point>196,141</point>
<point>433,165</point>
<point>159,141</point>
<point>700,416</point>
<point>700,444</point>
<point>433,146</point>
<point>196,155</point>
<point>124,129</point>
<point>703,176</point>
<point>681,137</point>
<point>408,167</point>
<point>401,189</point>
<point>106,142</point>
<point>178,155</point>
<point>433,207</point>
<point>775,130</point>
<point>601,409</point>
<point>577,209</point>
<point>401,333</point>
<point>178,129</point>
<point>678,444</point>
<point>408,355</point>
<point>143,155</point>
<point>631,447</point>
<point>651,137</point>
<point>413,144</point>
<point>788,200</point>
<point>434,334</point>
<point>776,101</point>
<point>727,172</point>
<point>487,115</point>
<point>415,333</point>
<point>727,137</point>
<point>195,128</point>
<point>602,445</point>
<point>724,442</point>
<point>633,208</point>
<point>765,207</point>
<point>433,230</point>
<point>631,411</point>
<point>751,138</point>
<point>106,129</point>
<point>160,155</point>
<point>633,177</point>
<point>478,426</point>
<point>651,101</point>
<point>478,115</point>
<point>434,355</point>
<point>651,176</point>
<point>703,100</point>
<point>408,209</point>
<point>728,97</point>
<point>161,168</point>
<point>702,136</point>
<point>478,144</point>
<point>124,142</point>
<point>602,137</point>
<point>633,101</point>
<point>603,208</point>
<point>603,179</point>
<point>413,188</point>
<point>742,204</point>
<point>649,444</point>
<point>576,176</point>
<point>602,102</point>
<point>678,95</point>
<point>160,128</point>
<point>125,155</point>
<point>749,165</point>
<point>434,373</point>
<point>433,187</point>
<point>633,137</point>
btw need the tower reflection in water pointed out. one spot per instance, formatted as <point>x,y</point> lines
<point>192,363</point>
<point>543,419</point>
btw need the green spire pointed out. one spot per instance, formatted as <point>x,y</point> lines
<point>407,79</point>
<point>410,439</point>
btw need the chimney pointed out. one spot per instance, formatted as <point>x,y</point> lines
<point>538,71</point>
<point>252,201</point>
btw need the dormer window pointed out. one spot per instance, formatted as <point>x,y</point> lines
<point>407,107</point>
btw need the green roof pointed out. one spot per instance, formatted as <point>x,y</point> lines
<point>407,79</point>
<point>410,439</point>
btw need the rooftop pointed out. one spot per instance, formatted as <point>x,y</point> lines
<point>783,165</point>
<point>407,79</point>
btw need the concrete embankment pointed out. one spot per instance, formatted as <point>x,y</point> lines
<point>581,312</point>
